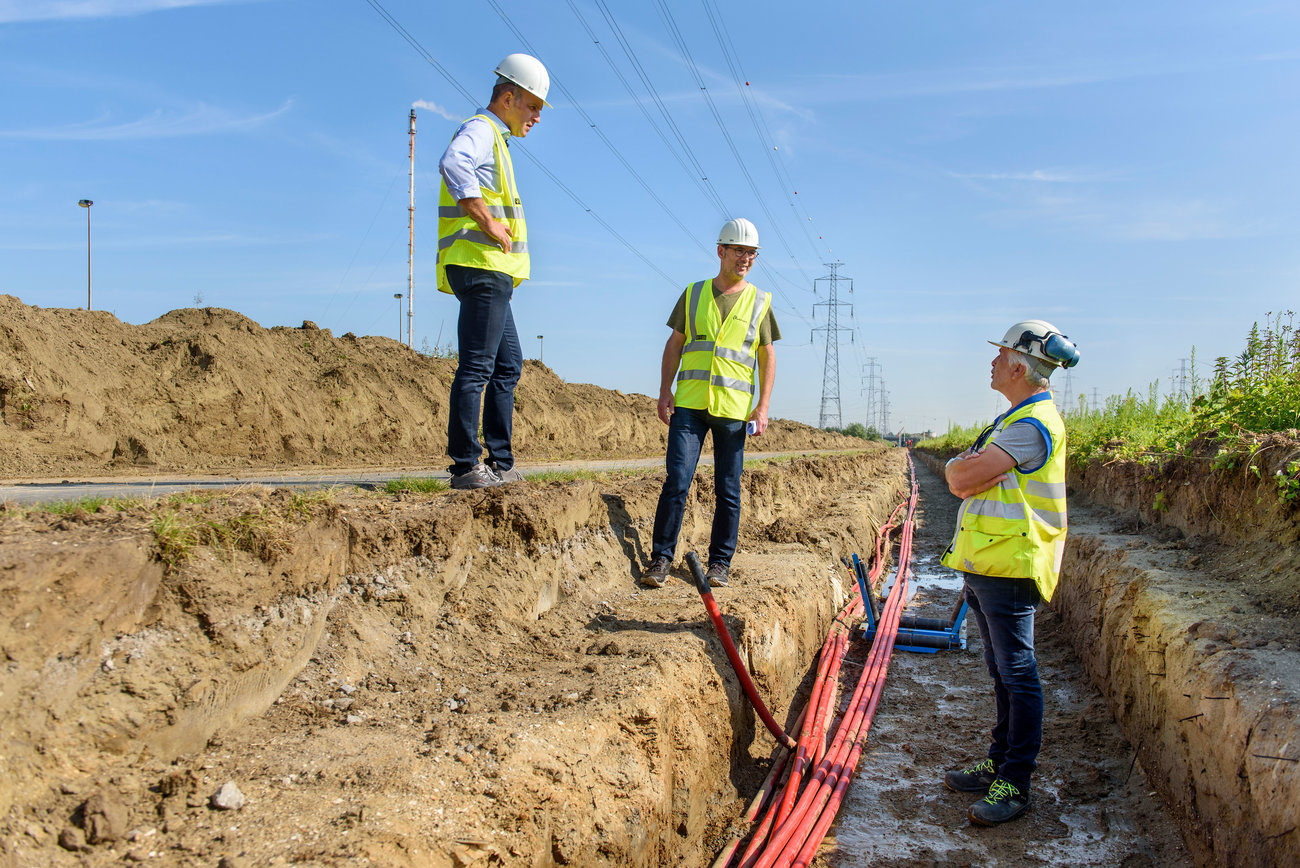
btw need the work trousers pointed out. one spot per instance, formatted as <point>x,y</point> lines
<point>686,431</point>
<point>1004,611</point>
<point>489,356</point>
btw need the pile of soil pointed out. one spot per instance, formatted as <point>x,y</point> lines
<point>209,390</point>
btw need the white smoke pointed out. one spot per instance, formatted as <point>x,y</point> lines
<point>435,108</point>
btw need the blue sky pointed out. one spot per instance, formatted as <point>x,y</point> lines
<point>1126,171</point>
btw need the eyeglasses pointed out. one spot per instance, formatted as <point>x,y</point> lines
<point>742,252</point>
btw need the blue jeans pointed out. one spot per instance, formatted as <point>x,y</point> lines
<point>686,432</point>
<point>490,356</point>
<point>1004,611</point>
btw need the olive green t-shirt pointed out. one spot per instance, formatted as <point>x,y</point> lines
<point>768,330</point>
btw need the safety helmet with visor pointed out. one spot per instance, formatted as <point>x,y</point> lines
<point>1041,340</point>
<point>527,72</point>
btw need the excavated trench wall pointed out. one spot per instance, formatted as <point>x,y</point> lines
<point>1154,591</point>
<point>115,662</point>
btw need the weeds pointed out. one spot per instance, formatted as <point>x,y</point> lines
<point>420,484</point>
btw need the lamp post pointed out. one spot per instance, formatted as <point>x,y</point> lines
<point>398,296</point>
<point>539,348</point>
<point>86,203</point>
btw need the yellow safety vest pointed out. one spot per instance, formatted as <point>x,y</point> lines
<point>462,242</point>
<point>719,361</point>
<point>1016,529</point>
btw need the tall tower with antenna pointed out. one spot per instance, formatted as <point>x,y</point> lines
<point>830,413</point>
<point>410,247</point>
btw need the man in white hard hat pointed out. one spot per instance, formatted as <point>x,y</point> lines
<point>1009,540</point>
<point>482,257</point>
<point>720,353</point>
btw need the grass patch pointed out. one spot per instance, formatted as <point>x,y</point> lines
<point>421,484</point>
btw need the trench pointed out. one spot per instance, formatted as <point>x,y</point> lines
<point>465,679</point>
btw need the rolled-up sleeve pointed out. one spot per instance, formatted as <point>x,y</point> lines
<point>467,163</point>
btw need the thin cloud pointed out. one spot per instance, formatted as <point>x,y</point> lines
<point>1037,175</point>
<point>62,10</point>
<point>203,119</point>
<point>436,109</point>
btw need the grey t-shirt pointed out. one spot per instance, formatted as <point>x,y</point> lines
<point>1024,443</point>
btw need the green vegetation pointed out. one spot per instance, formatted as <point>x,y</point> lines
<point>1248,397</point>
<point>956,440</point>
<point>421,484</point>
<point>857,429</point>
<point>204,518</point>
<point>1251,395</point>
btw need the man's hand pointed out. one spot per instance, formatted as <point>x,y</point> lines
<point>477,209</point>
<point>759,418</point>
<point>499,232</point>
<point>665,408</point>
<point>974,471</point>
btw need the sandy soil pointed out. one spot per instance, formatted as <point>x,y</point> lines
<point>477,679</point>
<point>209,391</point>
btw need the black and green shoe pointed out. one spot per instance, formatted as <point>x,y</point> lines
<point>976,779</point>
<point>1005,801</point>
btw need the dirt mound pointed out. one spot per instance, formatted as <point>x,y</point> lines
<point>455,679</point>
<point>82,393</point>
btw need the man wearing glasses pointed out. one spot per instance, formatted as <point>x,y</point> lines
<point>1009,540</point>
<point>720,354</point>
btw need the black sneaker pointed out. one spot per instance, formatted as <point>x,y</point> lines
<point>1004,802</point>
<point>478,476</point>
<point>976,779</point>
<point>717,575</point>
<point>656,574</point>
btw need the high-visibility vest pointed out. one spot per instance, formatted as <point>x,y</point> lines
<point>719,360</point>
<point>1016,529</point>
<point>462,242</point>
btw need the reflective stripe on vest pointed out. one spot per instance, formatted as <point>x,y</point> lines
<point>462,242</point>
<point>1016,529</point>
<point>719,368</point>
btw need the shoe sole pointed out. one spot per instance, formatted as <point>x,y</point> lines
<point>977,789</point>
<point>982,822</point>
<point>653,582</point>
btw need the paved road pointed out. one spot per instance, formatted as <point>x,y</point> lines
<point>161,486</point>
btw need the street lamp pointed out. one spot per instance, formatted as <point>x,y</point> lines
<point>86,203</point>
<point>398,296</point>
<point>539,348</point>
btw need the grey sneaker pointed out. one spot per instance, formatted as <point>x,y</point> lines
<point>507,476</point>
<point>479,476</point>
<point>656,575</point>
<point>717,574</point>
<point>976,779</point>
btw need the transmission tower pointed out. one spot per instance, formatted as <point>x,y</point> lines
<point>830,415</point>
<point>870,390</point>
<point>1067,392</point>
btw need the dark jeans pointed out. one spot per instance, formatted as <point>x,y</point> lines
<point>1004,611</point>
<point>686,433</point>
<point>490,356</point>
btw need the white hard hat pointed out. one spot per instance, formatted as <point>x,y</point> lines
<point>1040,339</point>
<point>739,231</point>
<point>527,72</point>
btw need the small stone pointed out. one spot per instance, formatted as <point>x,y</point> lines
<point>104,818</point>
<point>232,862</point>
<point>73,839</point>
<point>354,719</point>
<point>228,798</point>
<point>137,855</point>
<point>347,689</point>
